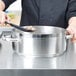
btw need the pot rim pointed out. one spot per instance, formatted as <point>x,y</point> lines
<point>61,31</point>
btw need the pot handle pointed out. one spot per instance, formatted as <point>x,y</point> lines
<point>10,38</point>
<point>69,36</point>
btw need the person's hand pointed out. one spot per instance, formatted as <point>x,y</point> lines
<point>3,18</point>
<point>72,31</point>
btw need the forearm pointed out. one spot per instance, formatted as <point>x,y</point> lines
<point>2,5</point>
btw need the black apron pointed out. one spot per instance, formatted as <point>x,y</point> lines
<point>44,12</point>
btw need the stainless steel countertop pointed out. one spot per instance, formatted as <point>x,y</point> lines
<point>9,59</point>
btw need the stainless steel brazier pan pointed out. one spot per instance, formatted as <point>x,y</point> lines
<point>46,41</point>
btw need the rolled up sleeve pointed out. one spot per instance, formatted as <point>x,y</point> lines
<point>7,3</point>
<point>71,11</point>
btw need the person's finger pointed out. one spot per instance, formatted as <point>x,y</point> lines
<point>73,41</point>
<point>74,38</point>
<point>8,19</point>
<point>72,32</point>
<point>2,18</point>
<point>69,31</point>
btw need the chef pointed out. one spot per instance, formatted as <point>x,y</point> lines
<point>60,13</point>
